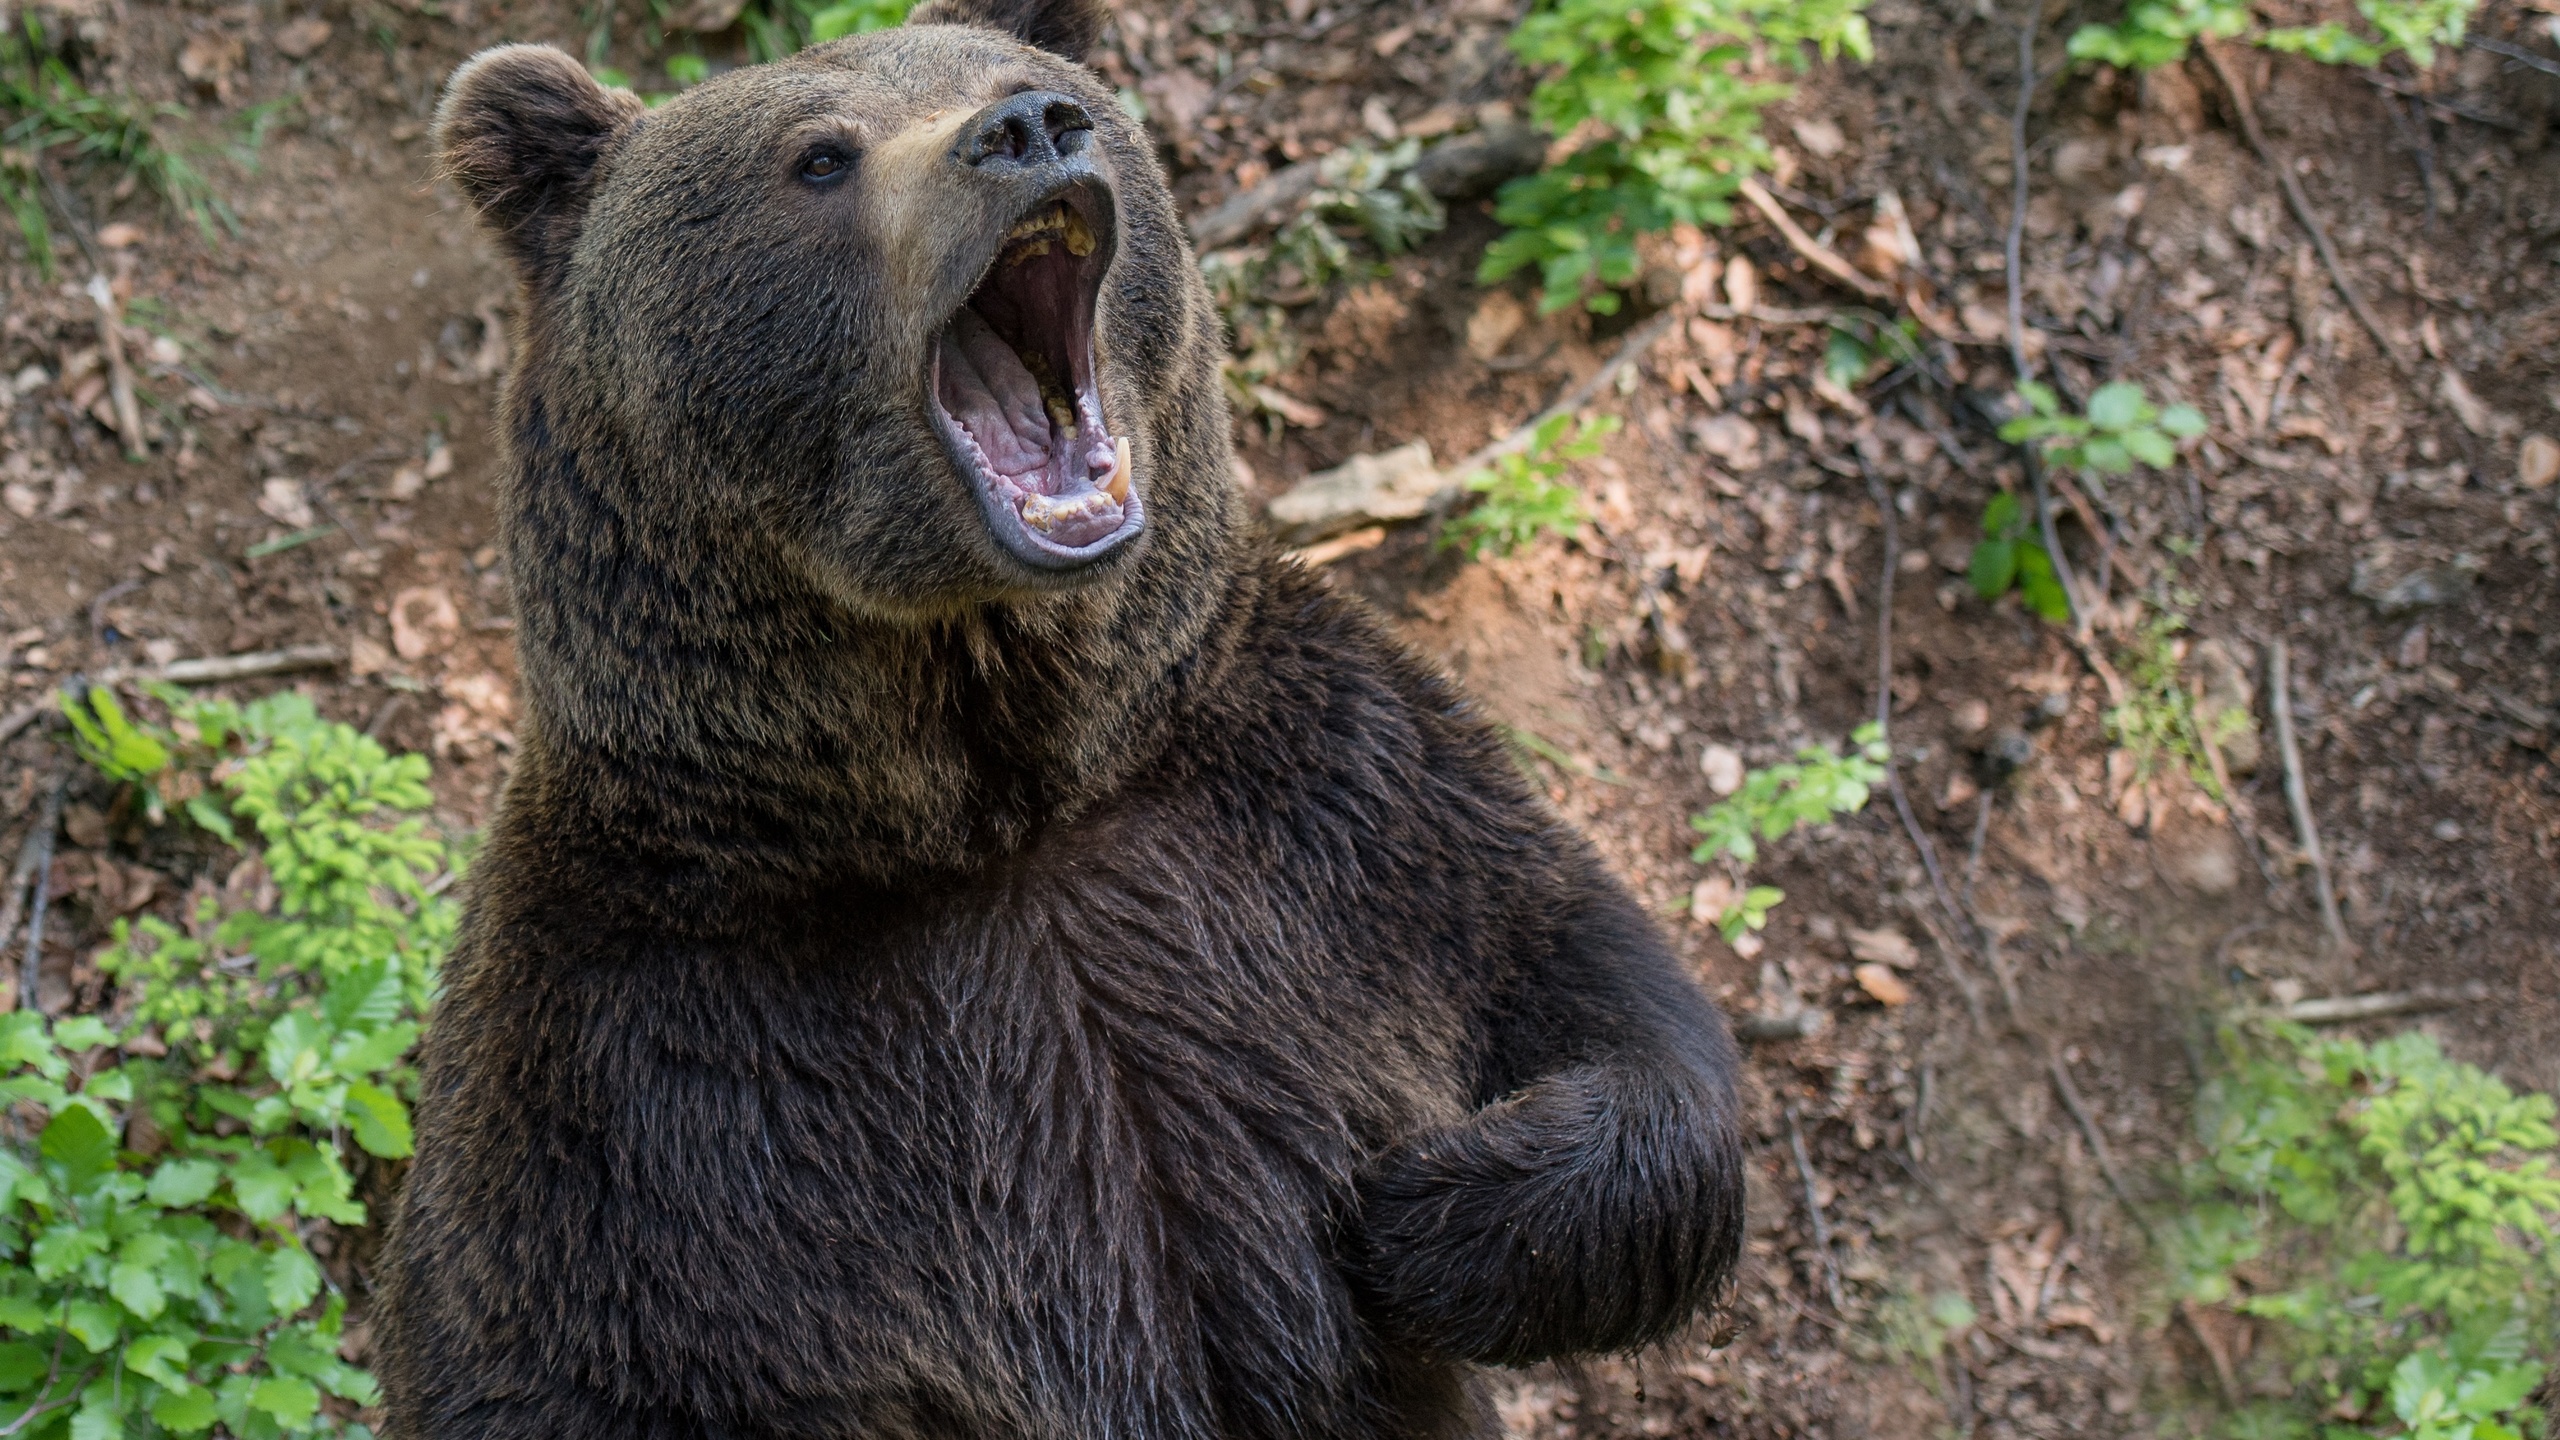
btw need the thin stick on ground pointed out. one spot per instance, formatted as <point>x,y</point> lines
<point>2014,257</point>
<point>34,871</point>
<point>2098,1150</point>
<point>2298,795</point>
<point>1821,256</point>
<point>1813,1211</point>
<point>2300,204</point>
<point>1884,732</point>
<point>34,851</point>
<point>119,372</point>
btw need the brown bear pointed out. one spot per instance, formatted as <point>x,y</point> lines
<point>976,944</point>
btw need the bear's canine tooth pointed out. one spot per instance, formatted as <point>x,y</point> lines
<point>1118,489</point>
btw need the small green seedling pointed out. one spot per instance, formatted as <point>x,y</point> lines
<point>1524,495</point>
<point>2121,429</point>
<point>2154,33</point>
<point>1750,913</point>
<point>1773,803</point>
<point>2010,557</point>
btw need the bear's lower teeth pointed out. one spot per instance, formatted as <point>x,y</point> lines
<point>1045,513</point>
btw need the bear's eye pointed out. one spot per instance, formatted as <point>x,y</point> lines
<point>822,167</point>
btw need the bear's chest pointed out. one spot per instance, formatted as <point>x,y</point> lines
<point>991,1169</point>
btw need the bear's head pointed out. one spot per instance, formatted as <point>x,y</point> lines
<point>868,491</point>
<point>912,306</point>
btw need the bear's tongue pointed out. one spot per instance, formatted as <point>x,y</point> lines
<point>1043,464</point>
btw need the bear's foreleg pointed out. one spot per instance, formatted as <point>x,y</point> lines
<point>1597,1203</point>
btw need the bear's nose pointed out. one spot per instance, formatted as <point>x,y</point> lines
<point>1039,128</point>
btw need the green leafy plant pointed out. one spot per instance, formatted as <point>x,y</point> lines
<point>157,1275</point>
<point>1773,803</point>
<point>45,109</point>
<point>2121,429</point>
<point>2010,557</point>
<point>2159,721</point>
<point>2394,1212</point>
<point>1657,98</point>
<point>1524,495</point>
<point>2158,32</point>
<point>1860,339</point>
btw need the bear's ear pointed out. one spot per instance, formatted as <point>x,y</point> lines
<point>519,132</point>
<point>1061,27</point>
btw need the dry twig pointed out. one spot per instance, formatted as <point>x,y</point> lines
<point>1813,1209</point>
<point>36,851</point>
<point>119,373</point>
<point>2343,1009</point>
<point>2013,255</point>
<point>2106,1159</point>
<point>34,873</point>
<point>1821,256</point>
<point>2298,795</point>
<point>2300,203</point>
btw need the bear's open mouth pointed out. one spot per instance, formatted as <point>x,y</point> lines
<point>1014,389</point>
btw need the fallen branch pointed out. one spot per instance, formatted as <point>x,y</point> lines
<point>2106,1159</point>
<point>2454,108</point>
<point>2342,1009</point>
<point>2297,794</point>
<point>1884,732</point>
<point>1821,256</point>
<point>33,881</point>
<point>2516,53</point>
<point>2300,204</point>
<point>1801,1023</point>
<point>1813,1209</point>
<point>214,669</point>
<point>119,372</point>
<point>36,850</point>
<point>2013,253</point>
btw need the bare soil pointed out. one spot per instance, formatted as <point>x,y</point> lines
<point>326,377</point>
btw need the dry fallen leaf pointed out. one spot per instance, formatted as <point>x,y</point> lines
<point>423,622</point>
<point>1881,984</point>
<point>301,38</point>
<point>2537,462</point>
<point>121,235</point>
<point>284,502</point>
<point>1722,765</point>
<point>1884,946</point>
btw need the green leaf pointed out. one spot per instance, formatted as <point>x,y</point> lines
<point>62,1247</point>
<point>83,1032</point>
<point>2117,406</point>
<point>137,1288</point>
<point>79,1143</point>
<point>292,1402</point>
<point>162,1358</point>
<point>22,1364</point>
<point>2182,420</point>
<point>2151,447</point>
<point>293,1278</point>
<point>207,812</point>
<point>179,1184</point>
<point>1995,568</point>
<point>93,1323</point>
<point>261,1187</point>
<point>2001,517</point>
<point>378,1119</point>
<point>188,1412</point>
<point>2039,586</point>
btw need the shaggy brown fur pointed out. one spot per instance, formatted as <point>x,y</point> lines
<point>910,992</point>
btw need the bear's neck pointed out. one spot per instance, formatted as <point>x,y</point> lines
<point>697,710</point>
